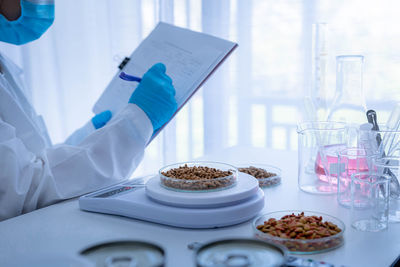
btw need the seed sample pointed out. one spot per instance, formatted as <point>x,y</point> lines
<point>265,178</point>
<point>197,178</point>
<point>300,233</point>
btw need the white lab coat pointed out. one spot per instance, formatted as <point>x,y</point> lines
<point>34,173</point>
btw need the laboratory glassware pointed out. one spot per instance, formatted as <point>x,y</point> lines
<point>169,176</point>
<point>239,252</point>
<point>266,175</point>
<point>300,246</point>
<point>349,101</point>
<point>247,252</point>
<point>369,201</point>
<point>319,68</point>
<point>125,253</point>
<point>318,145</point>
<point>385,142</point>
<point>391,163</point>
<point>351,161</point>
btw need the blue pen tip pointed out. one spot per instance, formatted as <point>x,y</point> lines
<point>128,77</point>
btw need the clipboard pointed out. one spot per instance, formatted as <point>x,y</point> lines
<point>190,57</point>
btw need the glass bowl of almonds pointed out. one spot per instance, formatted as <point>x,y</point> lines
<point>198,176</point>
<point>302,232</point>
<point>267,175</point>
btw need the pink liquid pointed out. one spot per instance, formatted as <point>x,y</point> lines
<point>348,165</point>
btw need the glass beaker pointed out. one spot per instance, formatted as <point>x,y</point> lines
<point>318,145</point>
<point>369,201</point>
<point>351,161</point>
<point>390,166</point>
<point>349,101</point>
<point>384,142</point>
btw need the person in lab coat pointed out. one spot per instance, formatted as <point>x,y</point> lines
<point>33,172</point>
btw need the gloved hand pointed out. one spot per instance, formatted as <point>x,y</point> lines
<point>155,95</point>
<point>101,119</point>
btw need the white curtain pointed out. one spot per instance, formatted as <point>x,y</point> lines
<point>253,99</point>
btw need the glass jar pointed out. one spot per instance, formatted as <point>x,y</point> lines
<point>349,101</point>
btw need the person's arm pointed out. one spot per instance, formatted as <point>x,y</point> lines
<point>105,157</point>
<point>97,122</point>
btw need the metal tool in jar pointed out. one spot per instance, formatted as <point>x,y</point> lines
<point>394,182</point>
<point>125,253</point>
<point>242,252</point>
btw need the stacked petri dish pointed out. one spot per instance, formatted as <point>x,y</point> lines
<point>198,176</point>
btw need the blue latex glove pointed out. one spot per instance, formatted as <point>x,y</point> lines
<point>155,95</point>
<point>101,119</point>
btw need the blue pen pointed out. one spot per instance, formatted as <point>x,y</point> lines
<point>129,78</point>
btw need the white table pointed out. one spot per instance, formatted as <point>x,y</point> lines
<point>63,228</point>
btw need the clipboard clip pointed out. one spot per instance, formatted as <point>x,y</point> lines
<point>123,63</point>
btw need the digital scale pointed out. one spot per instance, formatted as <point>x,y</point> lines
<point>152,202</point>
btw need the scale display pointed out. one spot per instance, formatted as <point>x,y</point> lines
<point>114,192</point>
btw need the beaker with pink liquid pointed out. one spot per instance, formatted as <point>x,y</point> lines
<point>318,147</point>
<point>351,161</point>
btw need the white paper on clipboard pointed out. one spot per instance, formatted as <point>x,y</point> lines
<point>190,58</point>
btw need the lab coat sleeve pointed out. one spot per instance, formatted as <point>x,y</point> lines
<point>80,134</point>
<point>106,156</point>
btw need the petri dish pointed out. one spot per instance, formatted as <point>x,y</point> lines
<point>273,178</point>
<point>189,184</point>
<point>301,246</point>
<point>240,252</point>
<point>125,253</point>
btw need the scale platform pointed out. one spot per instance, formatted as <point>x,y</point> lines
<point>154,203</point>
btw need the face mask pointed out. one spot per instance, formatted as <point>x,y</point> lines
<point>36,17</point>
